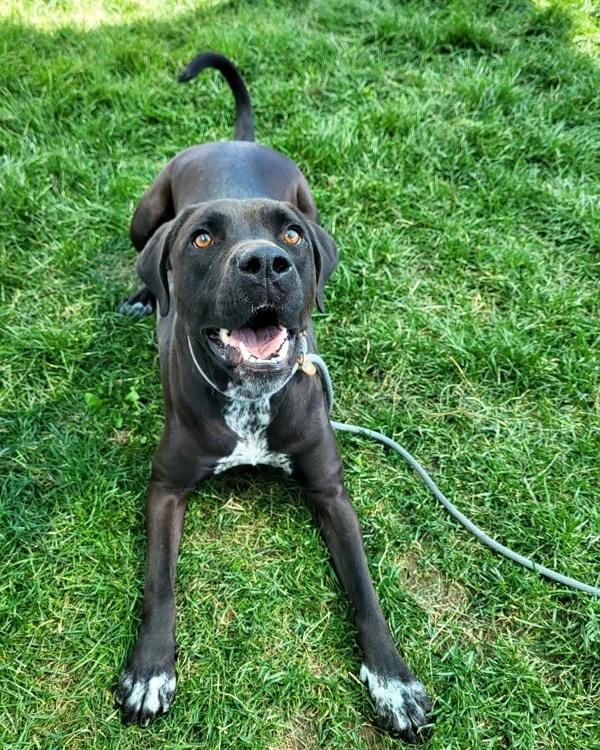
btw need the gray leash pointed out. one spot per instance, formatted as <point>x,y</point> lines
<point>452,509</point>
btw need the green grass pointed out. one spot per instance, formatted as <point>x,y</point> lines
<point>453,148</point>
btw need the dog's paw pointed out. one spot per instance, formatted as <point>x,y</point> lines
<point>144,697</point>
<point>402,706</point>
<point>135,310</point>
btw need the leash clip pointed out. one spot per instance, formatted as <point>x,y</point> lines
<point>305,364</point>
<point>304,361</point>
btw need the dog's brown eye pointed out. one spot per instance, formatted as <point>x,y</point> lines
<point>203,240</point>
<point>292,237</point>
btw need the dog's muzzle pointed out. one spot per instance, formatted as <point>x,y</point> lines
<point>262,344</point>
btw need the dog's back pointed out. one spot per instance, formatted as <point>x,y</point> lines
<point>239,169</point>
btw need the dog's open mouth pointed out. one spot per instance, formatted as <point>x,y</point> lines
<point>262,343</point>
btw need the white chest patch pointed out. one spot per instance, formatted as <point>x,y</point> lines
<point>249,420</point>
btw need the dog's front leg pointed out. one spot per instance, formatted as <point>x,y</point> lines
<point>400,699</point>
<point>147,686</point>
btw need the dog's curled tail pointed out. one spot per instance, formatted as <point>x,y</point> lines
<point>244,117</point>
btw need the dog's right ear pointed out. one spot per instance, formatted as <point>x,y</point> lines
<point>153,261</point>
<point>152,264</point>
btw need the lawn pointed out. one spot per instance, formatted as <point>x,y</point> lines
<point>454,152</point>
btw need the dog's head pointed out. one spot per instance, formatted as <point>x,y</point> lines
<point>243,277</point>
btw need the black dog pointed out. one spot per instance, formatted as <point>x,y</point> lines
<point>232,250</point>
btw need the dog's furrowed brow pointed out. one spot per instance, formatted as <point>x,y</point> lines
<point>281,216</point>
<point>245,221</point>
<point>220,223</point>
<point>213,219</point>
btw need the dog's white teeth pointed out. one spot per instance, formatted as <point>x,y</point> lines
<point>244,352</point>
<point>282,353</point>
<point>225,335</point>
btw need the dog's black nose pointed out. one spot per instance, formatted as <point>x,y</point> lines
<point>268,261</point>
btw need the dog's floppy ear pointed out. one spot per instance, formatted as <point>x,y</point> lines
<point>326,259</point>
<point>151,265</point>
<point>153,262</point>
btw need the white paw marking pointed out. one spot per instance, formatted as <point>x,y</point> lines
<point>149,696</point>
<point>400,703</point>
<point>158,689</point>
<point>249,420</point>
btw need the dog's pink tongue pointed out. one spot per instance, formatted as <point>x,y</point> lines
<point>260,343</point>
